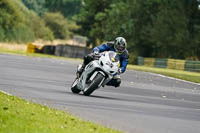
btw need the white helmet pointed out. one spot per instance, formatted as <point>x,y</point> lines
<point>120,44</point>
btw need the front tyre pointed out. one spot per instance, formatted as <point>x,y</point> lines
<point>93,85</point>
<point>74,87</point>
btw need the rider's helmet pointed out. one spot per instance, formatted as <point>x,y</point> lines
<point>120,44</point>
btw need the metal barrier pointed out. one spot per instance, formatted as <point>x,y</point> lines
<point>176,64</point>
<point>160,63</point>
<point>192,66</point>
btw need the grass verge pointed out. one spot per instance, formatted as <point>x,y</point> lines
<point>20,116</point>
<point>185,75</point>
<point>23,53</point>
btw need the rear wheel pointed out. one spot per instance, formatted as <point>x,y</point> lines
<point>74,87</point>
<point>93,85</point>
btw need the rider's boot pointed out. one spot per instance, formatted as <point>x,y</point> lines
<point>116,81</point>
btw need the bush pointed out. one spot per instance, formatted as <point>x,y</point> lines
<point>21,33</point>
<point>132,58</point>
<point>39,28</point>
<point>17,23</point>
<point>2,34</point>
<point>61,27</point>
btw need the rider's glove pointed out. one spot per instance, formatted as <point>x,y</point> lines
<point>96,52</point>
<point>119,71</point>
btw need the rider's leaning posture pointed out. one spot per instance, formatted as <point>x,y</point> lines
<point>119,46</point>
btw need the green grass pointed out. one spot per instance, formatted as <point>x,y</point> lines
<point>6,51</point>
<point>185,75</point>
<point>20,116</point>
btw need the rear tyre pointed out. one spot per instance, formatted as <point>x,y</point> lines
<point>94,84</point>
<point>74,87</point>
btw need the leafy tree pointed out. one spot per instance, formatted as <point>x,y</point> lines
<point>39,27</point>
<point>193,14</point>
<point>67,7</point>
<point>36,5</point>
<point>169,34</point>
<point>2,34</point>
<point>13,30</point>
<point>91,19</point>
<point>61,27</point>
<point>158,28</point>
<point>20,24</point>
<point>134,26</point>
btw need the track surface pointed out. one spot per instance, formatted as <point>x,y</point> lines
<point>145,102</point>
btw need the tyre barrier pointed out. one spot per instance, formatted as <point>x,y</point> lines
<point>60,50</point>
<point>71,51</point>
<point>170,63</point>
<point>48,49</point>
<point>31,48</point>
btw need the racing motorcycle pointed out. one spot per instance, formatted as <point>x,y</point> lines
<point>97,73</point>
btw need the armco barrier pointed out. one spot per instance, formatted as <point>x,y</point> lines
<point>71,51</point>
<point>149,62</point>
<point>160,63</point>
<point>170,63</point>
<point>140,60</point>
<point>192,66</point>
<point>176,64</point>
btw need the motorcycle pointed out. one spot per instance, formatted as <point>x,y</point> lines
<point>97,73</point>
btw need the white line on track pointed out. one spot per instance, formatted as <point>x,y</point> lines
<point>174,78</point>
<point>5,93</point>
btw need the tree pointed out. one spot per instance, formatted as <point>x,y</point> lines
<point>153,28</point>
<point>67,7</point>
<point>193,14</point>
<point>36,5</point>
<point>61,27</point>
<point>20,24</point>
<point>134,26</point>
<point>91,19</point>
<point>13,30</point>
<point>169,34</point>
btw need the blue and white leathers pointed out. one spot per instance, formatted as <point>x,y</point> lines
<point>110,47</point>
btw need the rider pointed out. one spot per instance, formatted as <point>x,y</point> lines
<point>119,46</point>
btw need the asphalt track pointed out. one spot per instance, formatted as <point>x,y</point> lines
<point>145,102</point>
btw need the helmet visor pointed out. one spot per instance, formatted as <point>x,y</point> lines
<point>120,48</point>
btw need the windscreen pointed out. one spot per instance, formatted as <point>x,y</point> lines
<point>113,56</point>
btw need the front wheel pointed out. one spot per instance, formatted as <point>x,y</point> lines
<point>94,84</point>
<point>74,87</point>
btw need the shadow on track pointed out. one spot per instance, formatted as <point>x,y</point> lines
<point>91,96</point>
<point>103,97</point>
